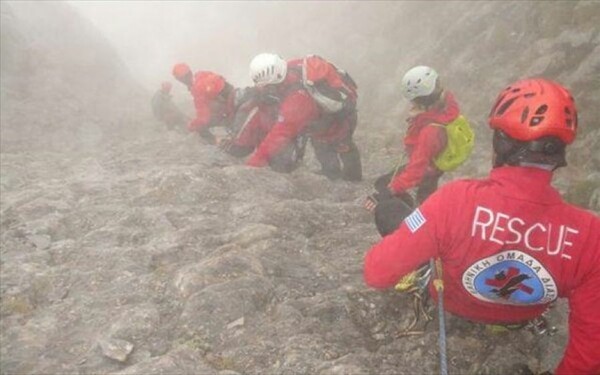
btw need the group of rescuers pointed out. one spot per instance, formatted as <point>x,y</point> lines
<point>508,245</point>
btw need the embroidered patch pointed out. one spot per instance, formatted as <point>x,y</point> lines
<point>415,221</point>
<point>510,278</point>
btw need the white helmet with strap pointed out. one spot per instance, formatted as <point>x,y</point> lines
<point>418,81</point>
<point>267,68</point>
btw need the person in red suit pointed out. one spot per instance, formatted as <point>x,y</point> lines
<point>508,244</point>
<point>214,99</point>
<point>296,115</point>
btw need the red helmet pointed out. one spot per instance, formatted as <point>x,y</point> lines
<point>208,84</point>
<point>166,87</point>
<point>181,70</point>
<point>533,108</point>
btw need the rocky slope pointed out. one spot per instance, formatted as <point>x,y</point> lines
<point>63,86</point>
<point>149,253</point>
<point>200,266</point>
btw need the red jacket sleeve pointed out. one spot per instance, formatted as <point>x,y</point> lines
<point>203,114</point>
<point>296,111</point>
<point>582,355</point>
<point>411,245</point>
<point>429,145</point>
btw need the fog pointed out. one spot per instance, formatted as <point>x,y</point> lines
<point>127,248</point>
<point>224,36</point>
<point>219,36</point>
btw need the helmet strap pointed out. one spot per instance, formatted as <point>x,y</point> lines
<point>547,151</point>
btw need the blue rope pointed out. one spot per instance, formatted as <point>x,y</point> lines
<point>442,336</point>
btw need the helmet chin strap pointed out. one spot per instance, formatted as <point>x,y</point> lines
<point>540,166</point>
<point>546,153</point>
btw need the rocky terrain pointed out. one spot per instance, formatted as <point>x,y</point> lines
<point>129,250</point>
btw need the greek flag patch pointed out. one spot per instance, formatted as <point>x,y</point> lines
<point>415,221</point>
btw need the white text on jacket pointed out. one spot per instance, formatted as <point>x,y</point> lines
<point>506,230</point>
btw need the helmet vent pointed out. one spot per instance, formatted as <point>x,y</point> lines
<point>535,121</point>
<point>529,95</point>
<point>569,123</point>
<point>515,90</point>
<point>541,110</point>
<point>419,81</point>
<point>505,106</point>
<point>524,115</point>
<point>569,118</point>
<point>497,104</point>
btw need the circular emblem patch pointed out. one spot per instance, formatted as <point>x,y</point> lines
<point>510,277</point>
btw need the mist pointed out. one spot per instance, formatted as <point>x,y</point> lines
<point>224,36</point>
<point>128,247</point>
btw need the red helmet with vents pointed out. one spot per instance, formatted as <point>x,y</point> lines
<point>533,108</point>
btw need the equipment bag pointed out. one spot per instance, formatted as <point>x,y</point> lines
<point>332,88</point>
<point>461,139</point>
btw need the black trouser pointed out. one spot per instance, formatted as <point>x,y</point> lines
<point>286,160</point>
<point>340,159</point>
<point>337,162</point>
<point>392,210</point>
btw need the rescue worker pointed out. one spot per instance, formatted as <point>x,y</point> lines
<point>164,109</point>
<point>425,139</point>
<point>509,245</point>
<point>431,104</point>
<point>295,115</point>
<point>253,120</point>
<point>214,100</point>
<point>332,134</point>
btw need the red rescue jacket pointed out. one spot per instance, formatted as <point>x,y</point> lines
<point>257,120</point>
<point>296,111</point>
<point>423,143</point>
<point>213,99</point>
<point>509,246</point>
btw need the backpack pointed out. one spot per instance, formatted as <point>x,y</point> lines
<point>332,88</point>
<point>461,139</point>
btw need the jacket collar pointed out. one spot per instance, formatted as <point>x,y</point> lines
<point>526,183</point>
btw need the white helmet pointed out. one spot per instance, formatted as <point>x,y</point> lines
<point>418,81</point>
<point>267,68</point>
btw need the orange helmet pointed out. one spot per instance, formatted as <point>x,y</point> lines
<point>181,70</point>
<point>208,84</point>
<point>534,108</point>
<point>166,87</point>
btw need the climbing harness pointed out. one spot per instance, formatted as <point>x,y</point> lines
<point>539,326</point>
<point>415,283</point>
